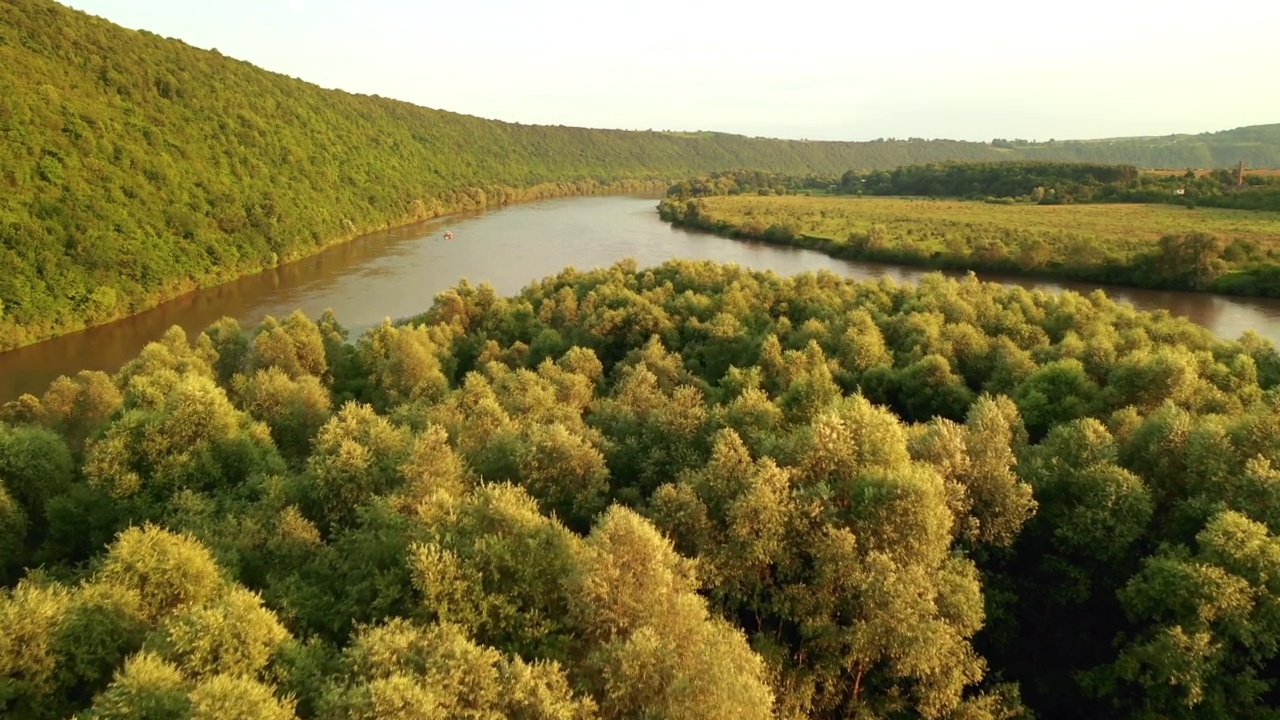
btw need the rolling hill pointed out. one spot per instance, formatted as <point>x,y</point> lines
<point>1258,146</point>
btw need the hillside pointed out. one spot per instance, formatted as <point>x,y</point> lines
<point>1258,146</point>
<point>136,168</point>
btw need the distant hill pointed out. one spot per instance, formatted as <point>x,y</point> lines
<point>1258,146</point>
<point>134,168</point>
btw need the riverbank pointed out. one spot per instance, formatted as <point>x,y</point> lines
<point>106,305</point>
<point>398,273</point>
<point>1230,252</point>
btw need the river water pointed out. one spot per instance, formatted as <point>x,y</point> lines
<point>397,273</point>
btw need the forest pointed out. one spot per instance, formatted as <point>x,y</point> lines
<point>1040,183</point>
<point>1047,183</point>
<point>136,168</point>
<point>682,491</point>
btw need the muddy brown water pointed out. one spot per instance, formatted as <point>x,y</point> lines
<point>396,273</point>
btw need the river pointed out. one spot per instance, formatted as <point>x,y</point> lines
<point>397,273</point>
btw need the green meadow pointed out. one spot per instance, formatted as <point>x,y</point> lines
<point>1146,245</point>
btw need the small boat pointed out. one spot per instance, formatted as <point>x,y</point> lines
<point>448,235</point>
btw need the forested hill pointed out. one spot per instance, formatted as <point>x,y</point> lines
<point>1257,146</point>
<point>135,168</point>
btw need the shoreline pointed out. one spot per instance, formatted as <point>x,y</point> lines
<point>187,286</point>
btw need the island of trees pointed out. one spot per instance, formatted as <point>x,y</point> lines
<point>135,168</point>
<point>673,492</point>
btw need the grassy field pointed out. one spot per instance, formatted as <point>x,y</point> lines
<point>1102,242</point>
<point>1131,227</point>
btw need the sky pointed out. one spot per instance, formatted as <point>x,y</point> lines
<point>850,70</point>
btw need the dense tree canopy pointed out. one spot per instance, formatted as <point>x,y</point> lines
<point>1007,182</point>
<point>683,491</point>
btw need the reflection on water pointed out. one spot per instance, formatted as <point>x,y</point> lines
<point>397,273</point>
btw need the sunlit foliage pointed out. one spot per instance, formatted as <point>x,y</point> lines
<point>684,491</point>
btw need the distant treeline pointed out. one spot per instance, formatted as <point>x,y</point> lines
<point>1051,183</point>
<point>1046,183</point>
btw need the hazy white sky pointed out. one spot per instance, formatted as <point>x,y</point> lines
<point>850,70</point>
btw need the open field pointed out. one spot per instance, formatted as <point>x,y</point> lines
<point>931,222</point>
<point>1119,243</point>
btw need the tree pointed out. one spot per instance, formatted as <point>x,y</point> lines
<point>1055,393</point>
<point>989,503</point>
<point>294,408</point>
<point>356,455</point>
<point>1193,259</point>
<point>294,346</point>
<point>29,615</point>
<point>402,670</point>
<point>652,434</point>
<point>13,535</point>
<point>1059,585</point>
<point>77,408</point>
<point>169,572</point>
<point>237,698</point>
<point>192,438</point>
<point>147,687</point>
<point>1210,625</point>
<point>232,635</point>
<point>656,649</point>
<point>405,363</point>
<point>232,345</point>
<point>36,469</point>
